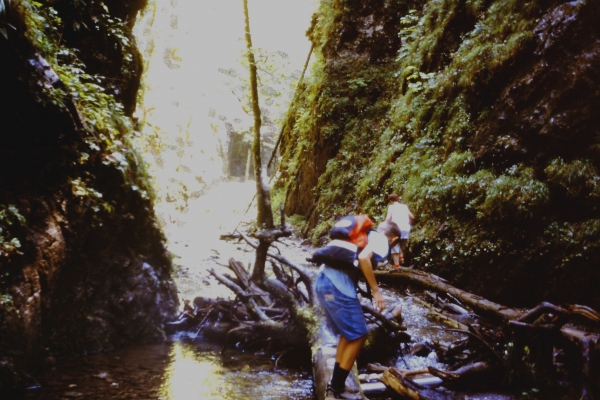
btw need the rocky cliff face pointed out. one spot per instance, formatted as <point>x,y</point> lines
<point>83,267</point>
<point>481,116</point>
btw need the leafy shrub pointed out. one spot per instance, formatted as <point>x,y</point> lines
<point>578,178</point>
<point>518,195</point>
<point>9,244</point>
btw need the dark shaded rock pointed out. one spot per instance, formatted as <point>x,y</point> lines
<point>92,272</point>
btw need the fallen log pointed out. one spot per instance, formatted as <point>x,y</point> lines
<point>321,341</point>
<point>388,320</point>
<point>397,382</point>
<point>545,319</point>
<point>589,346</point>
<point>433,282</point>
<point>584,311</point>
<point>452,321</point>
<point>472,373</point>
<point>415,385</point>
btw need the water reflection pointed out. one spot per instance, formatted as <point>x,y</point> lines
<point>182,370</point>
<point>207,375</point>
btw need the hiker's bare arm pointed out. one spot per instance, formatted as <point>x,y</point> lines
<point>364,261</point>
<point>389,215</point>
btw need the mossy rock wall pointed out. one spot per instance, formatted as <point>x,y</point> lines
<point>341,106</point>
<point>83,266</point>
<point>485,124</point>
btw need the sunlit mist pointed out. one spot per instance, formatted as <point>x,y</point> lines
<point>187,113</point>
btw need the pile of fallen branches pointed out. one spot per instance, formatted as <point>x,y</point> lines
<point>260,317</point>
<point>273,311</point>
<point>548,350</point>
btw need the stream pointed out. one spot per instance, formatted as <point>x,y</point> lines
<point>187,367</point>
<point>182,369</point>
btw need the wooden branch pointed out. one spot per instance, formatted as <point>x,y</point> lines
<point>455,309</point>
<point>236,281</point>
<point>433,282</point>
<point>229,236</point>
<point>257,311</point>
<point>239,271</point>
<point>544,327</point>
<point>279,274</point>
<point>473,334</point>
<point>303,275</point>
<point>306,280</point>
<point>280,291</point>
<point>388,321</point>
<point>219,330</point>
<point>287,115</point>
<point>229,284</point>
<point>271,235</point>
<point>542,308</point>
<point>584,311</point>
<point>243,275</point>
<point>398,384</point>
<point>245,296</point>
<point>376,367</point>
<point>472,372</point>
<point>446,319</point>
<point>588,344</point>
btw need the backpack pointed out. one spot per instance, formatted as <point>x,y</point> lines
<point>354,229</point>
<point>349,236</point>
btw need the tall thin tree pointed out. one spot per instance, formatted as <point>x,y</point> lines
<point>265,215</point>
<point>267,233</point>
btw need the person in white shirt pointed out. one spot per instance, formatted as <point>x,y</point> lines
<point>401,215</point>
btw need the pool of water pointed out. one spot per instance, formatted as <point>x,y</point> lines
<point>185,369</point>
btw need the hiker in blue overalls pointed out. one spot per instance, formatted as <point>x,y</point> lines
<point>343,261</point>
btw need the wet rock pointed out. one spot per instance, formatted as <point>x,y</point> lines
<point>72,395</point>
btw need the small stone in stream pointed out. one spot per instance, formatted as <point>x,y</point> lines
<point>102,375</point>
<point>72,395</point>
<point>114,385</point>
<point>72,385</point>
<point>373,377</point>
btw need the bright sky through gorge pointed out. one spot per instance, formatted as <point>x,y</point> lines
<point>202,37</point>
